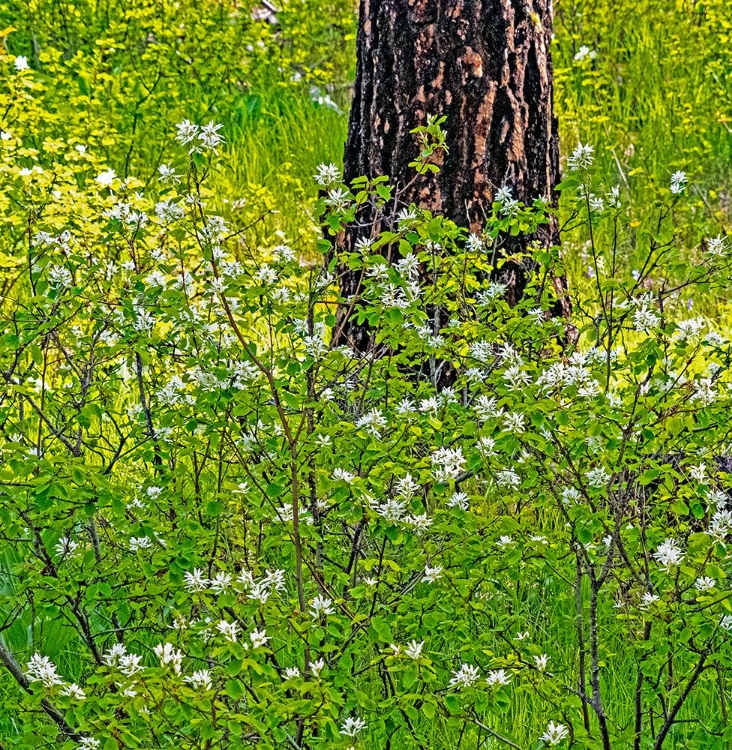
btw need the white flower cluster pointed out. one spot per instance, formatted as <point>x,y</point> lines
<point>259,589</point>
<point>199,137</point>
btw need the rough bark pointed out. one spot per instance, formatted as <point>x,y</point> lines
<point>486,65</point>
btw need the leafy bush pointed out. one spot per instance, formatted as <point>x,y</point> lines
<point>503,530</point>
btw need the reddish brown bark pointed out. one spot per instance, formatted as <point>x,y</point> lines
<point>486,65</point>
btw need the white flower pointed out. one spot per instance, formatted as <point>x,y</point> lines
<point>698,472</point>
<point>508,478</point>
<point>42,669</point>
<point>459,500</point>
<point>200,680</point>
<point>540,662</point>
<point>493,291</point>
<point>341,475</point>
<point>582,157</point>
<point>196,581</point>
<point>645,319</point>
<point>392,510</point>
<point>66,547</point>
<point>228,629</point>
<point>140,542</point>
<point>114,654</point>
<point>504,541</point>
<point>167,174</point>
<point>648,599</point>
<point>373,421</point>
<point>419,522</point>
<point>498,677</point>
<point>106,178</point>
<point>210,137</point>
<point>474,243</point>
<point>351,727</point>
<point>613,197</point>
<point>60,276</point>
<point>432,574</point>
<point>554,734</point>
<point>726,623</point>
<point>406,486</point>
<point>705,584</point>
<point>515,377</point>
<point>571,495</point>
<point>486,407</point>
<point>717,245</point>
<point>292,673</point>
<point>669,554</point>
<point>220,582</point>
<point>21,63</point>
<point>168,211</point>
<point>316,667</point>
<point>327,174</point>
<point>130,664</point>
<point>74,692</point>
<point>187,132</point>
<point>447,463</point>
<point>464,677</point>
<point>678,182</point>
<point>168,655</point>
<point>413,649</point>
<point>258,638</point>
<point>583,52</point>
<point>598,478</point>
<point>513,421</point>
<point>720,525</point>
<point>89,743</point>
<point>338,199</point>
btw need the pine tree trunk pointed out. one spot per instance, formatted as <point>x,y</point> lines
<point>485,64</point>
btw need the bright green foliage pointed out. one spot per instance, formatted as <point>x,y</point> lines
<point>221,530</point>
<point>649,84</point>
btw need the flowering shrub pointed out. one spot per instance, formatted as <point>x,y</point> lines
<point>254,537</point>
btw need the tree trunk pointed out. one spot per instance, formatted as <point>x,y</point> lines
<point>485,64</point>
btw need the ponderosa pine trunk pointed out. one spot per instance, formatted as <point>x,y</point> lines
<point>486,65</point>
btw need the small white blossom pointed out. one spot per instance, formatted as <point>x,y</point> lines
<point>678,182</point>
<point>74,692</point>
<point>464,677</point>
<point>316,667</point>
<point>582,157</point>
<point>705,584</point>
<point>169,656</point>
<point>196,581</point>
<point>42,669</point>
<point>585,52</point>
<point>321,605</point>
<point>199,680</point>
<point>327,174</point>
<point>258,638</point>
<point>106,178</point>
<point>229,630</point>
<point>414,650</point>
<point>669,554</point>
<point>554,734</point>
<point>351,727</point>
<point>498,677</point>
